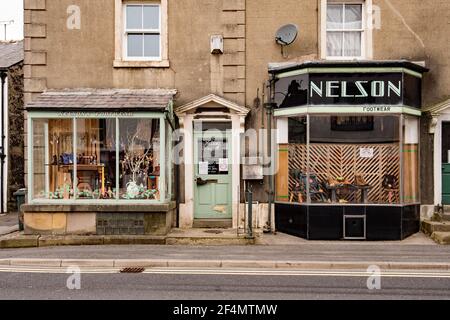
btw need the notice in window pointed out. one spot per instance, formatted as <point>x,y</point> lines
<point>203,167</point>
<point>223,164</point>
<point>366,152</point>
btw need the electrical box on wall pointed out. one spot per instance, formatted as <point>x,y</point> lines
<point>252,169</point>
<point>216,44</point>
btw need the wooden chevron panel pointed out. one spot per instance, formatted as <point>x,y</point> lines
<point>341,160</point>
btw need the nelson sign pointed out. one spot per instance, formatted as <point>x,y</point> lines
<point>372,91</point>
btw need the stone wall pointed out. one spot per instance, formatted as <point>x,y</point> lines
<point>57,57</point>
<point>15,134</point>
<point>79,219</point>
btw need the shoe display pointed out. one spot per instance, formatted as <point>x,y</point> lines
<point>359,181</point>
<point>332,182</point>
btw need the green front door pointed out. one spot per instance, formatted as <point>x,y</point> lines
<point>445,163</point>
<point>446,183</point>
<point>212,175</point>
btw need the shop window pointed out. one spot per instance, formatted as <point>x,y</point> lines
<point>297,130</point>
<point>348,167</point>
<point>411,160</point>
<point>139,158</point>
<point>352,123</point>
<point>53,159</point>
<point>344,30</point>
<point>93,159</point>
<point>96,158</point>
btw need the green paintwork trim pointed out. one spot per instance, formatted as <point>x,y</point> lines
<point>94,202</point>
<point>53,115</point>
<point>292,73</point>
<point>93,115</point>
<point>283,150</point>
<point>413,73</point>
<point>30,156</point>
<point>290,111</point>
<point>284,197</point>
<point>162,155</point>
<point>410,151</point>
<point>347,70</point>
<point>346,109</point>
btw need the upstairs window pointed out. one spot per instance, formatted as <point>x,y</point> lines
<point>345,30</point>
<point>142,32</point>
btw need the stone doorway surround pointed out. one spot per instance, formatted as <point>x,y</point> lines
<point>209,108</point>
<point>438,113</point>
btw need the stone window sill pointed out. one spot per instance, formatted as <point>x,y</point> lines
<point>141,64</point>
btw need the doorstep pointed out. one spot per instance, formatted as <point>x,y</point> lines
<point>208,236</point>
<point>175,237</point>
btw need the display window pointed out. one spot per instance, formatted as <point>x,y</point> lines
<point>99,159</point>
<point>350,159</point>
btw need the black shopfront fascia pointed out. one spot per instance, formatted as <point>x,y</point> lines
<point>364,88</point>
<point>343,89</point>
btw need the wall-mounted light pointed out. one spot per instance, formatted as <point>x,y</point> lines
<point>216,44</point>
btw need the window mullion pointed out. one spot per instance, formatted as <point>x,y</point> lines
<point>343,30</point>
<point>75,162</point>
<point>117,195</point>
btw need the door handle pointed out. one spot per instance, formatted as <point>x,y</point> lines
<point>201,182</point>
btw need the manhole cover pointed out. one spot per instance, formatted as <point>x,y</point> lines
<point>213,231</point>
<point>132,270</point>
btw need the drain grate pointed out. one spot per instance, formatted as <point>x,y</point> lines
<point>132,270</point>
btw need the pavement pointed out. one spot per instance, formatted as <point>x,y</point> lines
<point>416,254</point>
<point>8,223</point>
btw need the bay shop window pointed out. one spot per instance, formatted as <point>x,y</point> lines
<point>110,159</point>
<point>349,132</point>
<point>350,159</point>
<point>348,149</point>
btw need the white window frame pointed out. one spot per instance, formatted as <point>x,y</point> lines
<point>366,31</point>
<point>121,58</point>
<point>140,31</point>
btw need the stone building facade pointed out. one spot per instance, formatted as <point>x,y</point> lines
<point>80,46</point>
<point>11,64</point>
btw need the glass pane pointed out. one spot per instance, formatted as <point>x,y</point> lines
<point>135,45</point>
<point>334,16</point>
<point>169,163</point>
<point>352,44</point>
<point>53,159</point>
<point>354,166</point>
<point>411,160</point>
<point>291,175</point>
<point>134,17</point>
<point>151,45</point>
<point>213,155</point>
<point>151,17</point>
<point>139,159</point>
<point>353,16</point>
<point>96,158</point>
<point>334,44</point>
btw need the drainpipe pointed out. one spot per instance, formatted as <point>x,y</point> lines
<point>171,120</point>
<point>269,112</point>
<point>2,153</point>
<point>177,182</point>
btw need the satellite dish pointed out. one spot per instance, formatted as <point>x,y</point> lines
<point>286,34</point>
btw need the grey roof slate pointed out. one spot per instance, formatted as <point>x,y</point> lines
<point>103,99</point>
<point>11,53</point>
